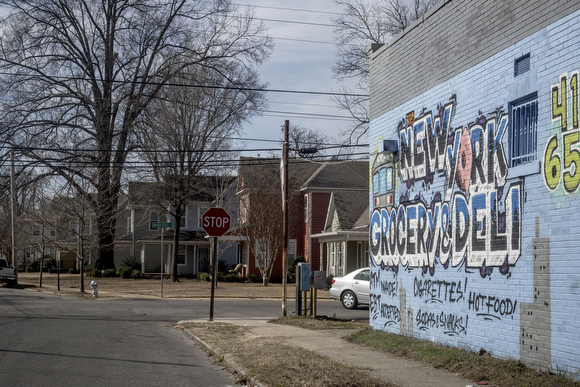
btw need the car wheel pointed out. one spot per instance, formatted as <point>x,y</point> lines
<point>349,300</point>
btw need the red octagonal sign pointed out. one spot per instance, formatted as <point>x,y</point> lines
<point>216,222</point>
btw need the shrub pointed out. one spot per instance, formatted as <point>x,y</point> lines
<point>110,273</point>
<point>231,278</point>
<point>136,274</point>
<point>124,272</point>
<point>253,278</point>
<point>132,263</point>
<point>203,276</point>
<point>96,273</point>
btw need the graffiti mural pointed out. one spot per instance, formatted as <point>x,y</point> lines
<point>464,211</point>
<point>562,152</point>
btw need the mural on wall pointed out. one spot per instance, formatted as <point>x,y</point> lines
<point>562,153</point>
<point>472,216</point>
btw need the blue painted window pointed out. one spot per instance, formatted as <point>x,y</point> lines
<point>383,180</point>
<point>389,179</point>
<point>523,134</point>
<point>375,183</point>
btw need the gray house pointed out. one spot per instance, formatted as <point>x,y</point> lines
<point>137,237</point>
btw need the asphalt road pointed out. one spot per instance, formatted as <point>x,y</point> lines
<point>52,340</point>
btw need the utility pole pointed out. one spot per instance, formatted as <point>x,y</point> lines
<point>285,214</point>
<point>13,210</point>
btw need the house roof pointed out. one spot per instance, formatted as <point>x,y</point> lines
<point>335,174</point>
<point>331,174</point>
<point>347,210</point>
<point>252,169</point>
<point>148,192</point>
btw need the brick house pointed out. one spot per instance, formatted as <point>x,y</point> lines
<point>312,185</point>
<point>471,243</point>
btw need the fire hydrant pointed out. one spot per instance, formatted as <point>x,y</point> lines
<point>94,287</point>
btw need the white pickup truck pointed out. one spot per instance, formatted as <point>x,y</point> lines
<point>7,273</point>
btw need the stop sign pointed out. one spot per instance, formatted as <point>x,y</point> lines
<point>216,222</point>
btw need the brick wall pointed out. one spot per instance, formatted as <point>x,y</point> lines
<point>475,252</point>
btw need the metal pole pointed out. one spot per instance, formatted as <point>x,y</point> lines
<point>161,262</point>
<point>13,210</point>
<point>285,215</point>
<point>298,290</point>
<point>214,278</point>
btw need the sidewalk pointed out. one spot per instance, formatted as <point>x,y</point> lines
<point>330,343</point>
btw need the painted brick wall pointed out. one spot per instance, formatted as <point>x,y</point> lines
<point>473,252</point>
<point>471,30</point>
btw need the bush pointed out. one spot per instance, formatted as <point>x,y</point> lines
<point>124,272</point>
<point>132,263</point>
<point>110,273</point>
<point>231,278</point>
<point>96,273</point>
<point>203,276</point>
<point>253,278</point>
<point>136,274</point>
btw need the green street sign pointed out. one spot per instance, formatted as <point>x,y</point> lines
<point>161,225</point>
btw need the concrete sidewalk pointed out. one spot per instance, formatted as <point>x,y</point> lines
<point>330,343</point>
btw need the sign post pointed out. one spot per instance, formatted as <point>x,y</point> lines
<point>161,226</point>
<point>216,222</point>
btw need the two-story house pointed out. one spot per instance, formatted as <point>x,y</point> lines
<point>138,237</point>
<point>64,229</point>
<point>312,185</point>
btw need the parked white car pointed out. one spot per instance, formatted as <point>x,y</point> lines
<point>352,289</point>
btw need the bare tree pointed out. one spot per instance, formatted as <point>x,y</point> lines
<point>77,76</point>
<point>364,23</point>
<point>261,208</point>
<point>187,132</point>
<point>306,143</point>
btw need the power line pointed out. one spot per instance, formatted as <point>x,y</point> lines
<point>219,87</point>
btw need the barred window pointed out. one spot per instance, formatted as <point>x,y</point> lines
<point>524,127</point>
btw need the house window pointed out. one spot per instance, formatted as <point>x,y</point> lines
<point>306,208</point>
<point>291,251</point>
<point>523,133</point>
<point>36,229</point>
<point>87,255</point>
<point>153,218</point>
<point>72,229</point>
<point>522,65</point>
<point>129,225</point>
<point>261,255</point>
<point>52,253</point>
<point>52,231</point>
<point>362,254</point>
<point>182,220</point>
<point>181,255</point>
<point>30,253</point>
<point>87,226</point>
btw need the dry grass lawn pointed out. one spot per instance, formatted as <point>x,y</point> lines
<point>186,288</point>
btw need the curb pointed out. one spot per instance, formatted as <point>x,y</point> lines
<point>230,365</point>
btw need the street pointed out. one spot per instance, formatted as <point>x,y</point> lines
<point>52,340</point>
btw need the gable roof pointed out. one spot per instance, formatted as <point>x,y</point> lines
<point>331,174</point>
<point>347,211</point>
<point>335,174</point>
